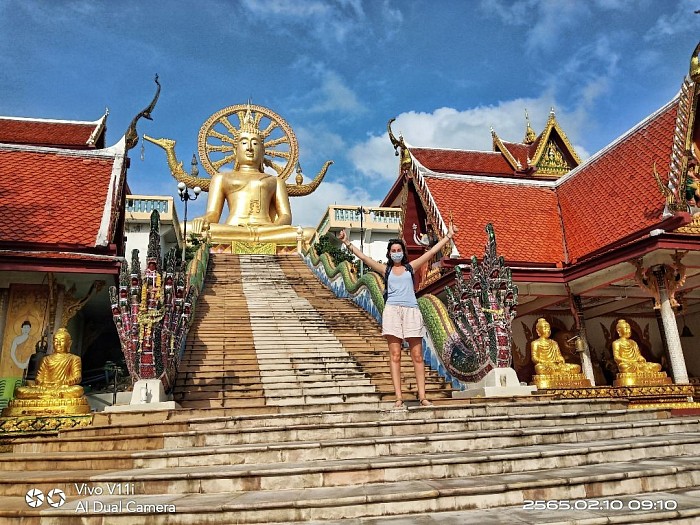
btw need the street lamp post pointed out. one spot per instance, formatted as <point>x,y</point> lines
<point>184,197</point>
<point>362,239</point>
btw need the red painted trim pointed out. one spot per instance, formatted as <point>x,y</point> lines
<point>630,252</point>
<point>59,268</point>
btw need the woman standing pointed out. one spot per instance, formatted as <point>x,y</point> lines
<point>402,319</point>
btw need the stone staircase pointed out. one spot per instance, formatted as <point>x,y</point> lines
<point>266,333</point>
<point>326,448</point>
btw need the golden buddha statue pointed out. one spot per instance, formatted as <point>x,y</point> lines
<point>634,369</point>
<point>56,389</point>
<point>258,202</point>
<point>551,370</point>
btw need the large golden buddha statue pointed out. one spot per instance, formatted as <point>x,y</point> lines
<point>551,370</point>
<point>56,389</point>
<point>258,202</point>
<point>634,369</point>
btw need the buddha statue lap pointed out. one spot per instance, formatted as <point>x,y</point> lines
<point>258,202</point>
<point>551,370</point>
<point>56,389</point>
<point>634,370</point>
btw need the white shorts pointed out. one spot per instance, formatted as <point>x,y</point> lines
<point>402,321</point>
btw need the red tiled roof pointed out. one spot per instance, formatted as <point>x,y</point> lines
<point>614,194</point>
<point>37,132</point>
<point>52,197</point>
<point>521,151</point>
<point>459,161</point>
<point>525,218</point>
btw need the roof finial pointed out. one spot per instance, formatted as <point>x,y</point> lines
<point>530,135</point>
<point>695,64</point>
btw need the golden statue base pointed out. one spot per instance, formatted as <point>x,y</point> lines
<point>17,425</point>
<point>253,248</point>
<point>544,382</point>
<point>642,379</point>
<point>660,396</point>
<point>47,407</point>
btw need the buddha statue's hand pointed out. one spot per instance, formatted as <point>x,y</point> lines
<point>198,225</point>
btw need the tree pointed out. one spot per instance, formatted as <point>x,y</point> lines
<point>328,244</point>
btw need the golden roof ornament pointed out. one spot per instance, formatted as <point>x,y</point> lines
<point>530,135</point>
<point>695,64</point>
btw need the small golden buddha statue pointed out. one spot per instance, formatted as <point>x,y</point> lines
<point>551,371</point>
<point>634,369</point>
<point>56,389</point>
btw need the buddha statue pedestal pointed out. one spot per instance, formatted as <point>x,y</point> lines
<point>551,371</point>
<point>56,390</point>
<point>642,379</point>
<point>573,380</point>
<point>47,407</point>
<point>634,369</point>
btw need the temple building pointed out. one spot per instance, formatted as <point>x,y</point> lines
<point>138,223</point>
<point>616,236</point>
<point>62,201</point>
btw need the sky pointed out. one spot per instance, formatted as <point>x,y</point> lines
<point>338,70</point>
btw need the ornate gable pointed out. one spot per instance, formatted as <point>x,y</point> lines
<point>554,154</point>
<point>548,155</point>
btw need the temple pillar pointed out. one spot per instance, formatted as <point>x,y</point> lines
<point>668,318</point>
<point>582,341</point>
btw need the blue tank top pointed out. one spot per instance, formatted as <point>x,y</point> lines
<point>400,290</point>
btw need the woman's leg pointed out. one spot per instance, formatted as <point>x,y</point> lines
<point>416,346</point>
<point>395,364</point>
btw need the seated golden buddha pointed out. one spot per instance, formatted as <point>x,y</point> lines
<point>258,202</point>
<point>634,369</point>
<point>551,370</point>
<point>56,389</point>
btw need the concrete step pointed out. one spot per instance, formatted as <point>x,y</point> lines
<point>504,429</point>
<point>347,472</point>
<point>257,505</point>
<point>251,447</point>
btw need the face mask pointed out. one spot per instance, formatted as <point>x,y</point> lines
<point>397,256</point>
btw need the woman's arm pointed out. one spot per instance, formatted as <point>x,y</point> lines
<point>376,266</point>
<point>427,256</point>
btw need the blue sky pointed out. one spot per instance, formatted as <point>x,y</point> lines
<point>338,70</point>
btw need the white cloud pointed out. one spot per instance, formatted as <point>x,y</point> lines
<point>451,128</point>
<point>331,95</point>
<point>682,20</point>
<point>321,18</point>
<point>549,21</point>
<point>318,145</point>
<point>335,96</point>
<point>307,211</point>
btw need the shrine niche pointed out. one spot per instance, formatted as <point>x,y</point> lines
<point>640,335</point>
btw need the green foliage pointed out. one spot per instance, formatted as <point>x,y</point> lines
<point>328,244</point>
<point>194,242</point>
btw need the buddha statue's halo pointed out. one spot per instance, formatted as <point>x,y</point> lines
<point>284,147</point>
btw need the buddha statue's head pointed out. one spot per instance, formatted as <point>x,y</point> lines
<point>543,328</point>
<point>62,341</point>
<point>250,148</point>
<point>623,329</point>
